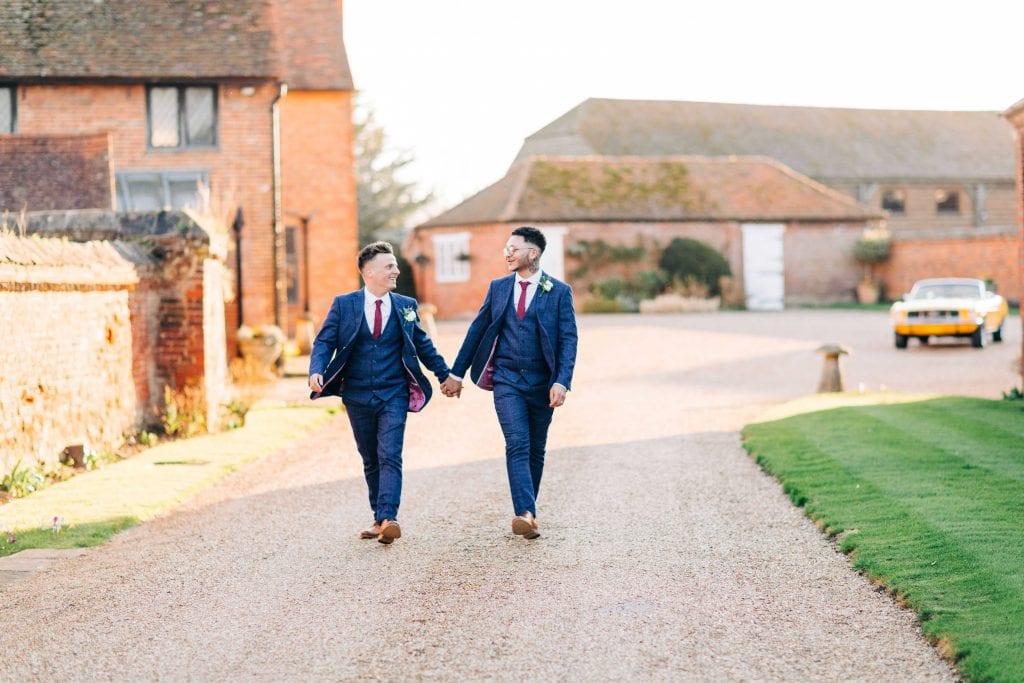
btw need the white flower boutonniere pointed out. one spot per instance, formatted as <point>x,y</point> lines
<point>545,284</point>
<point>409,314</point>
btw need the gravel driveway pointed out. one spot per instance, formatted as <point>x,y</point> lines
<point>666,555</point>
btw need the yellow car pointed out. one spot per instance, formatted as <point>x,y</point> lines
<point>949,307</point>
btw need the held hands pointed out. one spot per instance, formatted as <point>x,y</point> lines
<point>316,382</point>
<point>451,387</point>
<point>557,395</point>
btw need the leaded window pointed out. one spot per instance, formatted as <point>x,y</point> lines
<point>159,190</point>
<point>6,108</point>
<point>182,116</point>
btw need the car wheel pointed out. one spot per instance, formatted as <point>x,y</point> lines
<point>923,339</point>
<point>997,336</point>
<point>901,341</point>
<point>978,338</point>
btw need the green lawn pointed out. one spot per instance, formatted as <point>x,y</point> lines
<point>927,497</point>
<point>96,505</point>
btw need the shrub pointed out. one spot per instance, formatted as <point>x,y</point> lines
<point>22,480</point>
<point>602,305</point>
<point>184,412</point>
<point>689,258</point>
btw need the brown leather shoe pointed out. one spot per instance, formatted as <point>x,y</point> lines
<point>372,532</point>
<point>389,531</point>
<point>525,525</point>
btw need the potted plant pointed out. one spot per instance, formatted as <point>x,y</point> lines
<point>874,247</point>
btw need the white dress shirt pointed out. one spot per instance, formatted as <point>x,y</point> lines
<point>370,309</point>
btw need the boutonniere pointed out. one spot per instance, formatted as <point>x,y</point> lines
<point>545,284</point>
<point>409,314</point>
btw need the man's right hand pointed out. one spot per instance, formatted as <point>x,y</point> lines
<point>316,382</point>
<point>451,387</point>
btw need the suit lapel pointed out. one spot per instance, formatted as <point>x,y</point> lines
<point>540,298</point>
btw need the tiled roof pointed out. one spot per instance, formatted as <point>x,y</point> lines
<point>44,173</point>
<point>828,144</point>
<point>678,188</point>
<point>175,40</point>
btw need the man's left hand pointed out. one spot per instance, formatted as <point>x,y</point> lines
<point>557,395</point>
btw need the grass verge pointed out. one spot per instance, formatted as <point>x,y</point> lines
<point>98,504</point>
<point>927,498</point>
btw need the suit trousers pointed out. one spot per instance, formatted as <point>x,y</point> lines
<point>524,413</point>
<point>379,429</point>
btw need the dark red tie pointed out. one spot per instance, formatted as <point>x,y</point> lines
<point>521,306</point>
<point>377,321</point>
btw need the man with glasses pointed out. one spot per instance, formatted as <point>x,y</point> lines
<point>522,346</point>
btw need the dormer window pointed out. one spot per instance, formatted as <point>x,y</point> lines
<point>181,116</point>
<point>6,108</point>
<point>894,201</point>
<point>947,201</point>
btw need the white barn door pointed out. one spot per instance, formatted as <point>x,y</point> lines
<point>552,261</point>
<point>764,266</point>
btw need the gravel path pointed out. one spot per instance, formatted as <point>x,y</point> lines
<point>666,554</point>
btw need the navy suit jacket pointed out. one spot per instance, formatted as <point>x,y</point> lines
<point>556,318</point>
<point>337,336</point>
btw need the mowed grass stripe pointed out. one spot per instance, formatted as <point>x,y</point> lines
<point>931,482</point>
<point>919,535</point>
<point>992,446</point>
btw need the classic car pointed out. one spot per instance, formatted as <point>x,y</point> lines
<point>949,307</point>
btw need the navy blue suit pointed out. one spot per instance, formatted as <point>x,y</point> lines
<point>380,382</point>
<point>520,360</point>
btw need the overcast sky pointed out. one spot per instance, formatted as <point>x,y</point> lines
<point>460,83</point>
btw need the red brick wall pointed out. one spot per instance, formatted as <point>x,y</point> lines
<point>820,267</point>
<point>318,182</point>
<point>994,257</point>
<point>239,167</point>
<point>44,173</point>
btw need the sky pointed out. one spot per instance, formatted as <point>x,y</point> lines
<point>461,83</point>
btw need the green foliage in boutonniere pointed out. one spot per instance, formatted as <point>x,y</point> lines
<point>409,314</point>
<point>545,284</point>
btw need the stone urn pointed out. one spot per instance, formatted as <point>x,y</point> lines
<point>262,345</point>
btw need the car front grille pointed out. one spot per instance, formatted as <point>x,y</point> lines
<point>933,315</point>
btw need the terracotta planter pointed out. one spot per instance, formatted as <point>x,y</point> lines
<point>867,292</point>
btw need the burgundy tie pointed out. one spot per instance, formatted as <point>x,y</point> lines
<point>377,320</point>
<point>521,306</point>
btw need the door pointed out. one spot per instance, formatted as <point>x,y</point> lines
<point>764,266</point>
<point>552,261</point>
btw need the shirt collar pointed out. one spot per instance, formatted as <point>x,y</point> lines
<point>533,279</point>
<point>369,298</point>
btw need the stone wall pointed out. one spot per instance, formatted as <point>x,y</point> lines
<point>99,313</point>
<point>66,366</point>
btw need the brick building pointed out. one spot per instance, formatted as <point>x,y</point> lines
<point>943,180</point>
<point>786,237</point>
<point>242,105</point>
<point>930,170</point>
<point>1015,115</point>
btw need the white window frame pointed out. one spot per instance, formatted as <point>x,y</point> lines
<point>448,267</point>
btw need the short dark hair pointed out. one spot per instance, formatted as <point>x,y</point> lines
<point>533,236</point>
<point>372,249</point>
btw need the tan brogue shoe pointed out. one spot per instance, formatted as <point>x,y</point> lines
<point>372,532</point>
<point>389,531</point>
<point>525,525</point>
